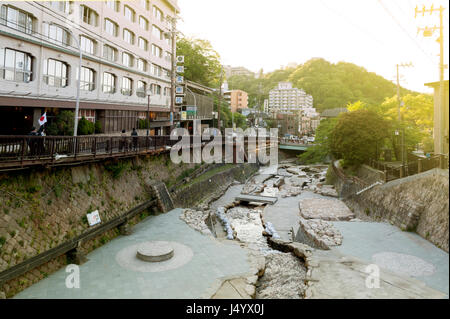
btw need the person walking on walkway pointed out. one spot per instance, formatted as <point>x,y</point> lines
<point>123,141</point>
<point>134,134</point>
<point>32,142</point>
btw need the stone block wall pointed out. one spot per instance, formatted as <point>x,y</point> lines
<point>42,209</point>
<point>418,203</point>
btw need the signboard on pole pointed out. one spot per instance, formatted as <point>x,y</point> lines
<point>180,69</point>
<point>180,79</point>
<point>179,100</point>
<point>179,90</point>
<point>183,115</point>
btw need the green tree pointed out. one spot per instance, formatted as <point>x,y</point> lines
<point>62,124</point>
<point>358,136</point>
<point>416,120</point>
<point>201,61</point>
<point>321,150</point>
<point>85,127</point>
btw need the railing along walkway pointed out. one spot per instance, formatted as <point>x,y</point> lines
<point>24,151</point>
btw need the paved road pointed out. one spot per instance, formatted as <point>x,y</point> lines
<point>103,277</point>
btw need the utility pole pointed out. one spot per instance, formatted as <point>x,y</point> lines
<point>400,104</point>
<point>172,32</point>
<point>220,99</point>
<point>428,32</point>
<point>172,80</point>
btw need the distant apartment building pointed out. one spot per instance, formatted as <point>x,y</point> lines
<point>231,71</point>
<point>286,99</point>
<point>237,99</point>
<point>126,56</point>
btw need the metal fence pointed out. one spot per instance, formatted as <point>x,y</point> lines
<point>20,148</point>
<point>417,166</point>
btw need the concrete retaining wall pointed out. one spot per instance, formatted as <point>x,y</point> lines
<point>418,203</point>
<point>40,210</point>
<point>203,191</point>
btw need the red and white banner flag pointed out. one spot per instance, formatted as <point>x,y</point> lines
<point>43,119</point>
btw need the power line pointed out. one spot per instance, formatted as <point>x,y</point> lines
<point>351,23</point>
<point>406,32</point>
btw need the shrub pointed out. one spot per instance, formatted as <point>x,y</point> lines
<point>98,127</point>
<point>61,124</point>
<point>85,127</point>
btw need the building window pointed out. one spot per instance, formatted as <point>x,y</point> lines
<point>87,79</point>
<point>145,4</point>
<point>143,23</point>
<point>129,13</point>
<point>157,13</point>
<point>17,19</point>
<point>142,65</point>
<point>156,70</point>
<point>87,45</point>
<point>168,56</point>
<point>109,83</point>
<point>109,53</point>
<point>114,5</point>
<point>15,65</point>
<point>111,27</point>
<point>156,51</point>
<point>55,73</point>
<point>127,86</point>
<point>56,34</point>
<point>156,89</point>
<point>143,44</point>
<point>166,91</point>
<point>168,39</point>
<point>88,15</point>
<point>63,6</point>
<point>128,36</point>
<point>141,89</point>
<point>157,32</point>
<point>127,59</point>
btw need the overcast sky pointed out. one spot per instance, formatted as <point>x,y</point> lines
<point>268,34</point>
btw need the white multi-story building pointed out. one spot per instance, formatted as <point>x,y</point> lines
<point>127,50</point>
<point>285,99</point>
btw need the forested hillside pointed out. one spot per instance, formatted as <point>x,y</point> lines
<point>331,85</point>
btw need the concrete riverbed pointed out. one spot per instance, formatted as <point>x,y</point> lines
<point>223,250</point>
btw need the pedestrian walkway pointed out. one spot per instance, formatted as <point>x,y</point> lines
<point>197,277</point>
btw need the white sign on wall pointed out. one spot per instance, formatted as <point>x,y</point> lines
<point>93,218</point>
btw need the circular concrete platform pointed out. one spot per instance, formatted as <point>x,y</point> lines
<point>127,258</point>
<point>155,251</point>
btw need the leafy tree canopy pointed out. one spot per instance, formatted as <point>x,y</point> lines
<point>358,136</point>
<point>331,85</point>
<point>201,61</point>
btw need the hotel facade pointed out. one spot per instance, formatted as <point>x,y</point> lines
<point>126,62</point>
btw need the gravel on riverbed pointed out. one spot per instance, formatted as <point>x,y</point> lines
<point>284,278</point>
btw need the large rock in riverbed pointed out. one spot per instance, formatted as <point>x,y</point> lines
<point>326,209</point>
